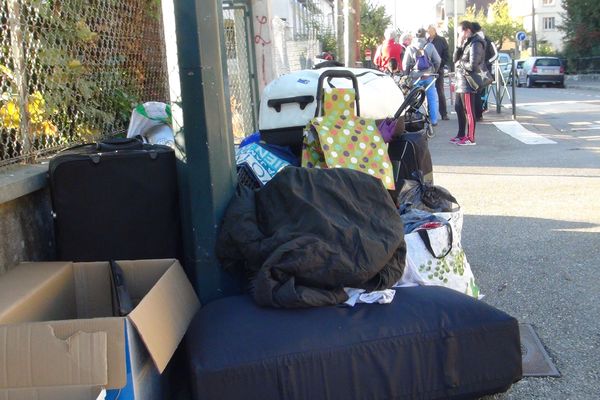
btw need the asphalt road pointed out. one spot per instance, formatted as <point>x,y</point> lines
<point>532,228</point>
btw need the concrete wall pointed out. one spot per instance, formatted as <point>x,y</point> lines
<point>522,9</point>
<point>301,53</point>
<point>26,226</point>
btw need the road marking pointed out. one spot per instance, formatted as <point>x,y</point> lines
<point>517,131</point>
<point>587,128</point>
<point>540,103</point>
<point>580,123</point>
<point>562,107</point>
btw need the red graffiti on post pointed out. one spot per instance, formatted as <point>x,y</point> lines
<point>258,39</point>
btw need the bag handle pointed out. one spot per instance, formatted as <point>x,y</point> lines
<point>302,100</point>
<point>425,238</point>
<point>113,144</point>
<point>336,73</point>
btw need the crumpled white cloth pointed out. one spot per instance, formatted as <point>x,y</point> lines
<point>362,296</point>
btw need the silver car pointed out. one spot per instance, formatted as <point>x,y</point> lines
<point>548,70</point>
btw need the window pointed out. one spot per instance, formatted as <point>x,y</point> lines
<point>548,2</point>
<point>549,23</point>
<point>548,62</point>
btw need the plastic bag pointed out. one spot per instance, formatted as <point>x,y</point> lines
<point>152,121</point>
<point>438,261</point>
<point>424,196</point>
<point>412,218</point>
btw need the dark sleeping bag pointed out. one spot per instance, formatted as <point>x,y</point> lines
<point>311,232</point>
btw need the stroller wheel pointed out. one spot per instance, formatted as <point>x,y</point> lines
<point>429,131</point>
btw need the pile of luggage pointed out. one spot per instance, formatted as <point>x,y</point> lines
<point>336,203</point>
<point>335,206</point>
<point>313,118</point>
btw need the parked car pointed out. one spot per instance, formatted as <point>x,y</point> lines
<point>549,70</point>
<point>505,63</point>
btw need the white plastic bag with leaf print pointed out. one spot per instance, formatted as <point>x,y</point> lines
<point>435,257</point>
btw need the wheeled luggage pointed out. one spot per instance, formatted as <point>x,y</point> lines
<point>290,102</point>
<point>410,154</point>
<point>115,200</point>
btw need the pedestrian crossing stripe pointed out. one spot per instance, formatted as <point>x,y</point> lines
<point>519,132</point>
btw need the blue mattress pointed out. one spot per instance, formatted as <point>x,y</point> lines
<point>430,343</point>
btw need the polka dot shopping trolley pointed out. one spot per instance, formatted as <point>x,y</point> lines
<point>339,138</point>
<point>289,102</point>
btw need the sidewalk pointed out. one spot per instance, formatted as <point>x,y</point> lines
<point>583,82</point>
<point>531,240</point>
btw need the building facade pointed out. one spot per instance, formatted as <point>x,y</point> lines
<point>548,18</point>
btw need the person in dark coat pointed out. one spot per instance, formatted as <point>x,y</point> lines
<point>468,59</point>
<point>441,45</point>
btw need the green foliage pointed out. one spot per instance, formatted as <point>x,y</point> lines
<point>498,25</point>
<point>545,49</point>
<point>373,23</point>
<point>328,42</point>
<point>73,78</point>
<point>581,25</point>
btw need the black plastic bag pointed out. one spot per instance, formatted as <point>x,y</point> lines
<point>418,194</point>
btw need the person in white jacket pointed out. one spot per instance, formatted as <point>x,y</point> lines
<point>423,69</point>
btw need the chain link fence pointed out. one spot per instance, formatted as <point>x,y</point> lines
<point>70,71</point>
<point>582,65</point>
<point>240,70</point>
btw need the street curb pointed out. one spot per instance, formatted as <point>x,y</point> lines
<point>580,86</point>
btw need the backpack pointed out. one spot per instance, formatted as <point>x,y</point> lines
<point>423,62</point>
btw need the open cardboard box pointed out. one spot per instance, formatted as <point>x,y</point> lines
<point>57,331</point>
<point>55,393</point>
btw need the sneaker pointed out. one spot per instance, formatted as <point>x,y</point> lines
<point>455,139</point>
<point>465,141</point>
<point>445,118</point>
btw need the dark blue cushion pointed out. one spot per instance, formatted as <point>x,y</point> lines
<point>430,343</point>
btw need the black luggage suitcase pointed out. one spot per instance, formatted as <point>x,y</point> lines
<point>115,200</point>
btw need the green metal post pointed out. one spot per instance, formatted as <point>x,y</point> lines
<point>206,166</point>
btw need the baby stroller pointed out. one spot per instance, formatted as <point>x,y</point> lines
<point>415,107</point>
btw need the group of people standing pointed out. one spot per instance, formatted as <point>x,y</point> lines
<point>469,59</point>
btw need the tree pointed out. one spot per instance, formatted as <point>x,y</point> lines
<point>498,25</point>
<point>373,23</point>
<point>501,26</point>
<point>581,25</point>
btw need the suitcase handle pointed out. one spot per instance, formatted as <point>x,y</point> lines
<point>302,100</point>
<point>119,144</point>
<point>329,75</point>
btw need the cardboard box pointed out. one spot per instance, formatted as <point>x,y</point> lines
<point>57,330</point>
<point>55,393</point>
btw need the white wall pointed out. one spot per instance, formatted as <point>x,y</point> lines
<point>522,8</point>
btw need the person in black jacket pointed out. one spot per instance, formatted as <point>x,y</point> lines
<point>441,45</point>
<point>478,102</point>
<point>468,59</point>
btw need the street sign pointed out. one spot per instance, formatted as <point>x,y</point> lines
<point>521,36</point>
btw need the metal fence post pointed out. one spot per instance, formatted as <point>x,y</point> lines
<point>17,45</point>
<point>206,168</point>
<point>498,84</point>
<point>514,90</point>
